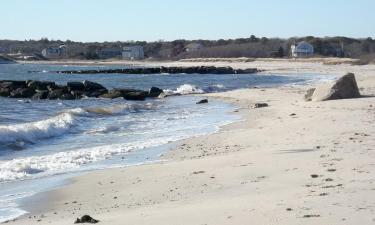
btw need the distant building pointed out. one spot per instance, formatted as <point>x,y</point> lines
<point>133,52</point>
<point>109,53</point>
<point>302,49</point>
<point>193,47</point>
<point>54,52</point>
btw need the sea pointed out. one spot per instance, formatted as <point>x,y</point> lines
<point>43,143</point>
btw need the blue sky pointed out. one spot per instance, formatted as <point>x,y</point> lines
<point>112,20</point>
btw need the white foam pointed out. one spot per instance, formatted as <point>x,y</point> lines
<point>22,168</point>
<point>185,89</point>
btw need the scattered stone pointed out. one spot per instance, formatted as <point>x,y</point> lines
<point>344,87</point>
<point>260,105</point>
<point>293,114</point>
<point>314,176</point>
<point>198,172</point>
<point>331,170</point>
<point>203,101</point>
<point>86,219</point>
<point>309,216</point>
<point>289,209</point>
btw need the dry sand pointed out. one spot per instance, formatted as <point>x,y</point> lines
<point>293,162</point>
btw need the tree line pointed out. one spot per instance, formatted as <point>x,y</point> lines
<point>241,47</point>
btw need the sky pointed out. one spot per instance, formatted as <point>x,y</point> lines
<point>151,20</point>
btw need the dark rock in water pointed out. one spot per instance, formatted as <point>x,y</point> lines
<point>247,71</point>
<point>345,87</point>
<point>95,94</point>
<point>67,96</point>
<point>136,96</point>
<point>203,101</point>
<point>155,92</point>
<point>13,85</point>
<point>170,70</point>
<point>55,94</point>
<point>115,93</point>
<point>40,85</point>
<point>77,94</point>
<point>260,105</point>
<point>86,219</point>
<point>39,95</point>
<point>5,92</point>
<point>75,86</point>
<point>22,93</point>
<point>92,86</point>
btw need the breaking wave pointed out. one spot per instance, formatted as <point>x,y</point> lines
<point>31,132</point>
<point>15,136</point>
<point>22,168</point>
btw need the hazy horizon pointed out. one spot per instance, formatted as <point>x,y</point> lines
<point>115,20</point>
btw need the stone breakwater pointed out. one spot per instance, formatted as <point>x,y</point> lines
<point>39,90</point>
<point>167,70</point>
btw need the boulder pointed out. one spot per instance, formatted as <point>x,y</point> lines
<point>86,219</point>
<point>92,86</point>
<point>75,86</point>
<point>203,101</point>
<point>136,96</point>
<point>77,94</point>
<point>5,92</point>
<point>114,93</point>
<point>55,94</point>
<point>13,85</point>
<point>39,95</point>
<point>40,85</point>
<point>247,71</point>
<point>67,96</point>
<point>345,87</point>
<point>22,93</point>
<point>95,94</point>
<point>155,92</point>
<point>309,94</point>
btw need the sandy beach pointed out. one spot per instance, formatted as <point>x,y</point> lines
<point>294,162</point>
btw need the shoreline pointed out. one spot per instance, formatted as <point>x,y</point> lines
<point>259,169</point>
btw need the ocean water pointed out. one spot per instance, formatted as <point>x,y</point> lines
<point>44,142</point>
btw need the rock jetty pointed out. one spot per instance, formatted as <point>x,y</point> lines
<point>39,90</point>
<point>167,70</point>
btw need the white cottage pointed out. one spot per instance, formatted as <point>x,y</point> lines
<point>302,49</point>
<point>133,52</point>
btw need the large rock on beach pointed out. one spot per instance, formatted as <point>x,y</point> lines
<point>345,87</point>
